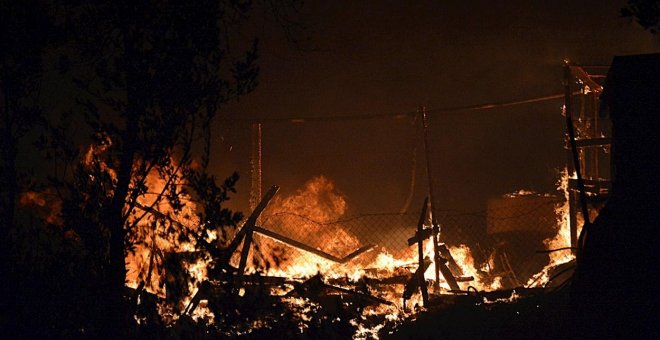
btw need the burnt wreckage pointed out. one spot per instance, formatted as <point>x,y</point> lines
<point>612,290</point>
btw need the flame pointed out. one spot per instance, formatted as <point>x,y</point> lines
<point>463,256</point>
<point>318,200</point>
<point>93,156</point>
<point>563,237</point>
<point>317,206</point>
<point>162,233</point>
<point>319,203</point>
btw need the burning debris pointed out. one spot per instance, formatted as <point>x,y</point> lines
<point>301,258</point>
<point>264,271</point>
<point>270,277</point>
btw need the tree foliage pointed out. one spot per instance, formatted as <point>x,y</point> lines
<point>150,78</point>
<point>157,73</point>
<point>645,12</point>
<point>22,44</point>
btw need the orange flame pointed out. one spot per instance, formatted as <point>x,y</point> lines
<point>563,237</point>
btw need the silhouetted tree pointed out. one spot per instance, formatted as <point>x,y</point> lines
<point>645,12</point>
<point>153,75</point>
<point>158,73</point>
<point>24,27</point>
<point>22,43</point>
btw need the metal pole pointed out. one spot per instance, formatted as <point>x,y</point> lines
<point>436,259</point>
<point>420,253</point>
<point>255,165</point>
<point>568,109</point>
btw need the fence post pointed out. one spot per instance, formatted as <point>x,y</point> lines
<point>420,253</point>
<point>255,167</point>
<point>425,124</point>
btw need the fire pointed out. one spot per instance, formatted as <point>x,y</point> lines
<point>93,156</point>
<point>463,256</point>
<point>318,204</point>
<point>165,229</point>
<point>317,207</point>
<point>563,237</point>
<point>320,200</point>
<point>152,240</point>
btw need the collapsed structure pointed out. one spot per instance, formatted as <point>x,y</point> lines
<point>619,168</point>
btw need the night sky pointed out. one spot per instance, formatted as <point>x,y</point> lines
<point>376,57</point>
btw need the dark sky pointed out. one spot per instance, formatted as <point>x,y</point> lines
<point>372,57</point>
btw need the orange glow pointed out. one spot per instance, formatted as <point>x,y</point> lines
<point>562,239</point>
<point>46,204</point>
<point>152,237</point>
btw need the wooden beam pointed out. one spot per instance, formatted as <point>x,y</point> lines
<point>425,233</point>
<point>359,295</point>
<point>413,282</point>
<point>252,220</point>
<point>581,74</point>
<point>309,249</point>
<point>446,254</point>
<point>420,253</point>
<point>436,254</point>
<point>315,287</point>
<point>249,226</point>
<point>446,273</point>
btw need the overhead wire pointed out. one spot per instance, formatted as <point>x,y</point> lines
<point>393,115</point>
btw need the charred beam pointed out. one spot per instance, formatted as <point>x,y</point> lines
<point>393,280</point>
<point>446,273</point>
<point>315,287</point>
<point>425,233</point>
<point>413,283</point>
<point>436,255</point>
<point>420,252</point>
<point>361,296</point>
<point>581,74</point>
<point>446,254</point>
<point>249,225</point>
<point>251,221</point>
<point>307,248</point>
<point>203,293</point>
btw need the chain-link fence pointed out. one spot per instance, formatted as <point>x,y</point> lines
<point>504,240</point>
<point>377,163</point>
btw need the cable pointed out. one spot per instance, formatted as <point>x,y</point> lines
<point>394,115</point>
<point>554,250</point>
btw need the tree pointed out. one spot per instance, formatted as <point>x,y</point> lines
<point>645,12</point>
<point>151,76</point>
<point>23,25</point>
<point>20,69</point>
<point>155,74</point>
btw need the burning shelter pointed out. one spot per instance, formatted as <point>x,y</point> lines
<point>309,253</point>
